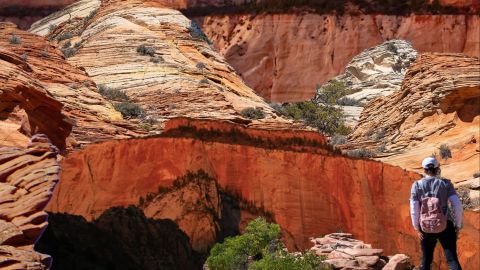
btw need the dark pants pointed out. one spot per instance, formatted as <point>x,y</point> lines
<point>448,240</point>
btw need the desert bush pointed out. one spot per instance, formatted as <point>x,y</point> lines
<point>392,48</point>
<point>360,153</point>
<point>68,52</point>
<point>145,50</point>
<point>382,148</point>
<point>338,139</point>
<point>67,45</point>
<point>445,151</point>
<point>346,101</point>
<point>259,248</point>
<point>253,113</point>
<point>129,110</point>
<point>14,39</point>
<point>204,81</point>
<point>477,174</point>
<point>51,28</point>
<point>44,52</point>
<point>156,59</point>
<point>197,33</point>
<point>325,118</point>
<point>464,196</point>
<point>24,57</point>
<point>112,94</point>
<point>64,36</point>
<point>90,16</point>
<point>380,135</point>
<point>200,66</point>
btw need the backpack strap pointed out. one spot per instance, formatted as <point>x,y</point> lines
<point>435,192</point>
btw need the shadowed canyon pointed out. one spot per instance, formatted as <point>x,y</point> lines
<point>146,129</point>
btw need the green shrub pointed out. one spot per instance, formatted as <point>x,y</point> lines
<point>259,248</point>
<point>330,93</point>
<point>129,110</point>
<point>112,94</point>
<point>325,118</point>
<point>14,39</point>
<point>253,113</point>
<point>146,50</point>
<point>445,151</point>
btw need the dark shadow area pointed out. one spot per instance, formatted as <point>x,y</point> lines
<point>340,7</point>
<point>120,239</point>
<point>465,102</point>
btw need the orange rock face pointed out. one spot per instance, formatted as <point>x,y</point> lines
<point>44,94</point>
<point>284,56</point>
<point>367,198</point>
<point>27,179</point>
<point>437,104</point>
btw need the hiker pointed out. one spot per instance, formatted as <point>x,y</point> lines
<point>429,210</point>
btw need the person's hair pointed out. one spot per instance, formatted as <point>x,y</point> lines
<point>431,170</point>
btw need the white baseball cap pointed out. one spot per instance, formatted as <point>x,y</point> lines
<point>430,161</point>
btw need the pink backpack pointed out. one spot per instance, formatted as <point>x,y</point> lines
<point>432,219</point>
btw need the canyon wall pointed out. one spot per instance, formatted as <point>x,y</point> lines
<point>437,104</point>
<point>364,197</point>
<point>27,179</point>
<point>284,56</point>
<point>181,75</point>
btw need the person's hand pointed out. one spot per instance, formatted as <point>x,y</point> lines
<point>420,235</point>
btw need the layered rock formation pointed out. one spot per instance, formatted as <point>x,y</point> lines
<point>42,93</point>
<point>377,71</point>
<point>266,169</point>
<point>27,179</point>
<point>344,252</point>
<point>284,56</point>
<point>156,56</point>
<point>437,104</point>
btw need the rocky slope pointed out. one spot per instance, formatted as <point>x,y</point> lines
<point>176,74</point>
<point>437,104</point>
<point>284,56</point>
<point>263,168</point>
<point>27,179</point>
<point>342,251</point>
<point>377,71</point>
<point>42,93</point>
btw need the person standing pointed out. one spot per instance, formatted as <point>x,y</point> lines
<point>430,215</point>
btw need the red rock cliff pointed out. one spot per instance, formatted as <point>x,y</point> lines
<point>284,56</point>
<point>307,188</point>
